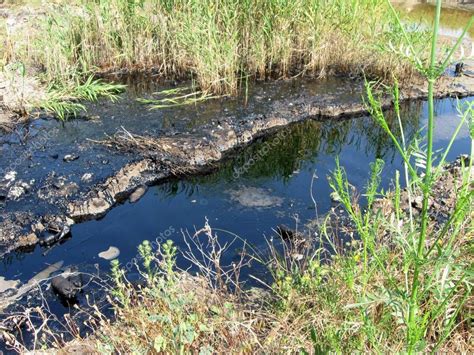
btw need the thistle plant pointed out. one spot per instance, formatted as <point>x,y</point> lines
<point>431,69</point>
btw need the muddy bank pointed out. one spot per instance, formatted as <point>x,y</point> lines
<point>55,175</point>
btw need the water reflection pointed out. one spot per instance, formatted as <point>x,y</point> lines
<point>300,146</point>
<point>452,20</point>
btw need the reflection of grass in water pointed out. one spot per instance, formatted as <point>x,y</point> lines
<point>300,146</point>
<point>451,19</point>
<point>305,142</point>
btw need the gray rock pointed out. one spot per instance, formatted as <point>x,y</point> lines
<point>64,287</point>
<point>70,157</point>
<point>87,177</point>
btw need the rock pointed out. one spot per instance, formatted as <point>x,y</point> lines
<point>69,189</point>
<point>16,192</point>
<point>110,254</point>
<point>87,177</point>
<point>10,176</point>
<point>137,194</point>
<point>418,202</point>
<point>70,157</point>
<point>297,256</point>
<point>38,227</point>
<point>64,288</point>
<point>69,222</point>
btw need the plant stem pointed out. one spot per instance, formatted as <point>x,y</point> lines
<point>432,76</point>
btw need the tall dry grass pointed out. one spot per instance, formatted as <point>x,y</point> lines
<point>217,43</point>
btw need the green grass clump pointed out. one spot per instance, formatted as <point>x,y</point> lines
<point>65,101</point>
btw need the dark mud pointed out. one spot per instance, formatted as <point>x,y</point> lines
<point>54,175</point>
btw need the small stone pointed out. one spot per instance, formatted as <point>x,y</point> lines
<point>418,202</point>
<point>70,189</point>
<point>39,227</point>
<point>110,254</point>
<point>16,192</point>
<point>297,257</point>
<point>137,194</point>
<point>69,221</point>
<point>70,157</point>
<point>10,176</point>
<point>87,177</point>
